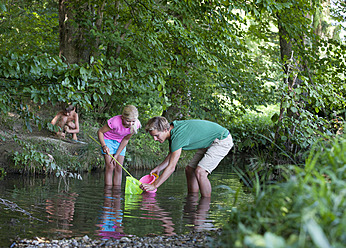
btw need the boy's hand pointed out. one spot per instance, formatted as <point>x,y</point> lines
<point>147,187</point>
<point>155,170</point>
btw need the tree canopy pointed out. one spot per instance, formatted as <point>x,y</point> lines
<point>183,59</point>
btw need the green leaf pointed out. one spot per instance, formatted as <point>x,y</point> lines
<point>317,233</point>
<point>294,109</point>
<point>83,71</point>
<point>275,117</point>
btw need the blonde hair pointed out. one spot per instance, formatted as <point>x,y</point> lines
<point>130,112</point>
<point>158,123</point>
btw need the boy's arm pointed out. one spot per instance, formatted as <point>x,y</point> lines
<point>161,166</point>
<point>55,119</point>
<point>173,160</point>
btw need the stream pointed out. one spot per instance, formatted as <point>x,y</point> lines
<point>47,207</point>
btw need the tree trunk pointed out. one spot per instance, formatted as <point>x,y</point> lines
<point>287,59</point>
<point>76,45</point>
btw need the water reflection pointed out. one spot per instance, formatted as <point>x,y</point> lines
<point>111,225</point>
<point>196,210</point>
<point>155,212</point>
<point>149,211</point>
<point>61,209</point>
<point>99,212</point>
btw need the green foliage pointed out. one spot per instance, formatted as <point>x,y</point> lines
<point>308,210</point>
<point>143,152</point>
<point>211,60</point>
<point>2,173</point>
<point>316,104</point>
<point>325,88</point>
<point>34,161</point>
<point>310,86</point>
<point>30,160</point>
<point>189,65</point>
<point>29,27</point>
<point>250,130</point>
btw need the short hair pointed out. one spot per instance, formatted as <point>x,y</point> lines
<point>130,112</point>
<point>158,123</point>
<point>69,108</point>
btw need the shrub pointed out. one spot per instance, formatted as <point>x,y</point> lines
<point>250,130</point>
<point>308,210</point>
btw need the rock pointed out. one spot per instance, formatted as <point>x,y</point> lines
<point>193,239</point>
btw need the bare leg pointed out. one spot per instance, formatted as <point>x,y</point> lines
<point>72,125</point>
<point>203,181</point>
<point>118,171</point>
<point>108,170</point>
<point>192,183</point>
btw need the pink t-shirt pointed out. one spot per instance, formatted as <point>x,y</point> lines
<point>118,131</point>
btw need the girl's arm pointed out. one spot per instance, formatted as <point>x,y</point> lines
<point>100,135</point>
<point>123,143</point>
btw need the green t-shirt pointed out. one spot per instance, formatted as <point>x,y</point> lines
<point>195,134</point>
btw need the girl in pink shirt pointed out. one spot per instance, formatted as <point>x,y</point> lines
<point>114,136</point>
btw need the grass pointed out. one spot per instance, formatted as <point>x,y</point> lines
<point>307,210</point>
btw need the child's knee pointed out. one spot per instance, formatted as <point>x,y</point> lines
<point>109,165</point>
<point>71,125</point>
<point>118,169</point>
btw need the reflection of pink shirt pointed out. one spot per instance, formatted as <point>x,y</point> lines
<point>118,131</point>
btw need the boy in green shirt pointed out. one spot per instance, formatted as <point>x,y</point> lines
<point>212,141</point>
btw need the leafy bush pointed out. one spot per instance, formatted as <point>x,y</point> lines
<point>248,131</point>
<point>32,160</point>
<point>145,153</point>
<point>308,210</point>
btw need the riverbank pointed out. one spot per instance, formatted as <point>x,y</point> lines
<point>192,239</point>
<point>40,151</point>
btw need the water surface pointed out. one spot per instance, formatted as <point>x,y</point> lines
<point>40,207</point>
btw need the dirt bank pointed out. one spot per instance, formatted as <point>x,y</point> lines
<point>13,133</point>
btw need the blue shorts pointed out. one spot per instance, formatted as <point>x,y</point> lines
<point>113,146</point>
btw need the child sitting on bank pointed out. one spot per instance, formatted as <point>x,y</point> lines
<point>67,122</point>
<point>114,136</point>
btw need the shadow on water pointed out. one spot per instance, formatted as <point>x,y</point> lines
<point>90,208</point>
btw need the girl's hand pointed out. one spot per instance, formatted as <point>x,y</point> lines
<point>115,157</point>
<point>105,149</point>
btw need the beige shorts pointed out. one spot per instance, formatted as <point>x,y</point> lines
<point>209,158</point>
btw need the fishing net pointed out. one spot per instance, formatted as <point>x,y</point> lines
<point>132,186</point>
